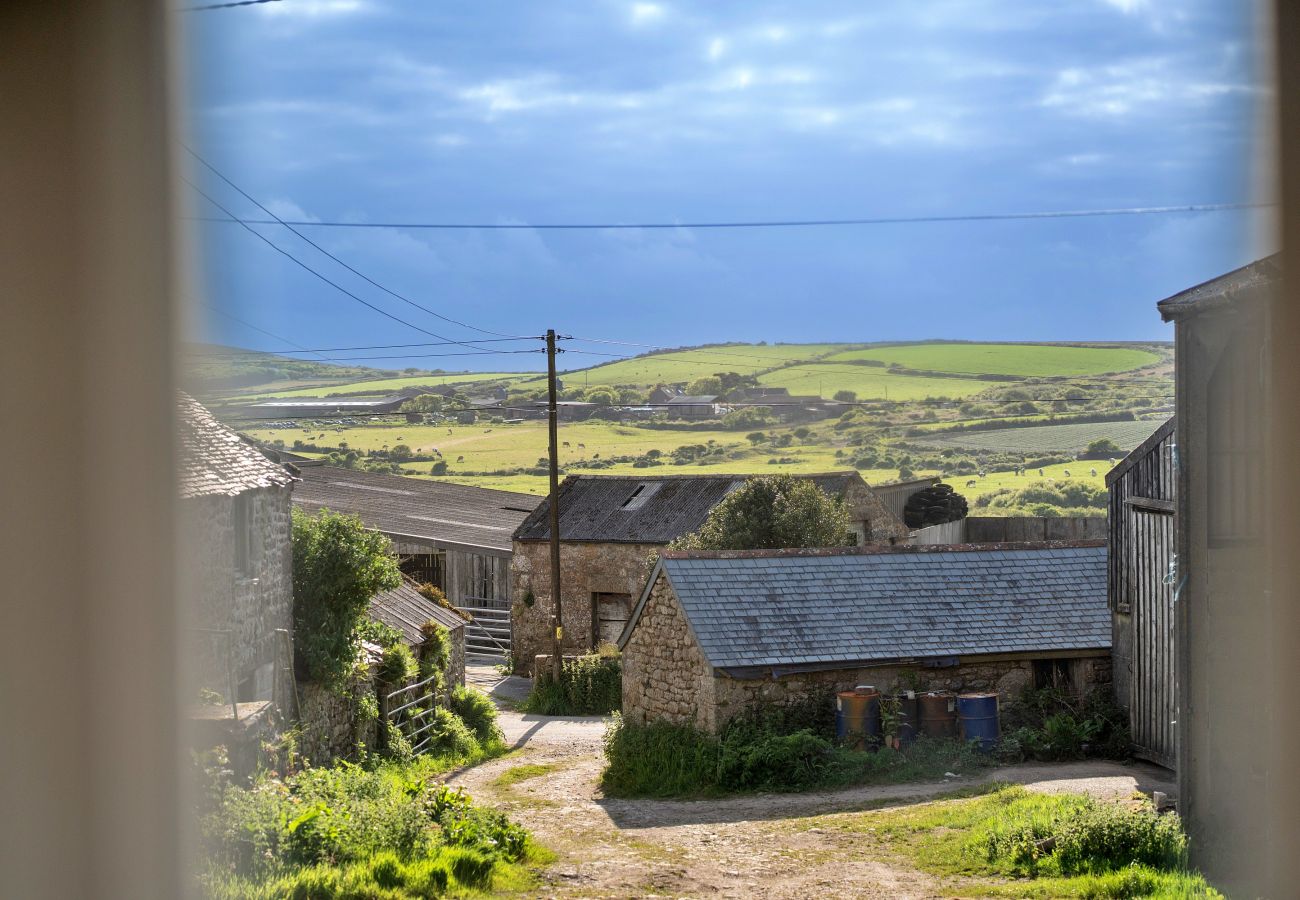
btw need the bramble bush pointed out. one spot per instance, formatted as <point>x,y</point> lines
<point>590,685</point>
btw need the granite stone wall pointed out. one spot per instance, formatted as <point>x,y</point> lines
<point>585,569</point>
<point>329,727</point>
<point>665,676</point>
<point>251,605</point>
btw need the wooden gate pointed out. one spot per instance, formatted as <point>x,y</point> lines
<point>487,635</point>
<point>1153,703</point>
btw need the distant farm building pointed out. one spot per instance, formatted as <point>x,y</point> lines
<point>610,525</point>
<point>314,407</point>
<point>714,634</point>
<point>693,406</point>
<point>1141,543</point>
<point>453,536</point>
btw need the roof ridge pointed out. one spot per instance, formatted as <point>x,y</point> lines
<point>879,549</point>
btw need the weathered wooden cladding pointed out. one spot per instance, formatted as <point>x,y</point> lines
<point>1141,589</point>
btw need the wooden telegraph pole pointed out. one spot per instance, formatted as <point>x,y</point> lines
<point>553,423</point>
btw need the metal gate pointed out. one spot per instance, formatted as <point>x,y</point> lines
<point>1153,707</point>
<point>487,635</point>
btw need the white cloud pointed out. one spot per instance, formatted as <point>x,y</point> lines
<point>1127,7</point>
<point>717,47</point>
<point>287,209</point>
<point>310,8</point>
<point>647,13</point>
<point>1124,89</point>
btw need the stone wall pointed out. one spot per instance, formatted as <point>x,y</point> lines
<point>250,605</point>
<point>665,676</point>
<point>328,725</point>
<point>585,569</point>
<point>873,521</point>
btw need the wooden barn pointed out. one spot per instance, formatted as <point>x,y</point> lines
<point>1140,586</point>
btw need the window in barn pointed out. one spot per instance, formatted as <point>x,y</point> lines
<point>1053,673</point>
<point>245,548</point>
<point>639,496</point>
<point>427,568</point>
<point>1233,442</point>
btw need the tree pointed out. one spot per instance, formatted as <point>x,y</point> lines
<point>709,384</point>
<point>846,396</point>
<point>772,513</point>
<point>425,403</point>
<point>602,396</point>
<point>748,417</point>
<point>1102,448</point>
<point>401,451</point>
<point>756,437</point>
<point>439,468</point>
<point>338,565</point>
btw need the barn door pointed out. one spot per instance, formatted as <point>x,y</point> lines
<point>1153,707</point>
<point>609,615</point>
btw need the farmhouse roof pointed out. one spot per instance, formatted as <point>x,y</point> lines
<point>217,462</point>
<point>406,609</point>
<point>443,514</point>
<point>1140,451</point>
<point>692,398</point>
<point>1245,284</point>
<point>810,609</point>
<point>645,509</point>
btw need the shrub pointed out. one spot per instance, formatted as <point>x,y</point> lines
<point>448,734</point>
<point>396,665</point>
<point>658,760</point>
<point>773,512</point>
<point>772,761</point>
<point>477,711</point>
<point>589,685</point>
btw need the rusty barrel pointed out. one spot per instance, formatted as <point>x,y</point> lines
<point>938,714</point>
<point>857,717</point>
<point>978,715</point>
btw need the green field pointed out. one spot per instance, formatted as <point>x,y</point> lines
<point>1028,360</point>
<point>388,385</point>
<point>1080,471</point>
<point>868,383</point>
<point>687,365</point>
<point>1049,438</point>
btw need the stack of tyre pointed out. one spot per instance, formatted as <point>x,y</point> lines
<point>934,505</point>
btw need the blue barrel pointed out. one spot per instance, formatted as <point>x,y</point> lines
<point>857,718</point>
<point>977,715</point>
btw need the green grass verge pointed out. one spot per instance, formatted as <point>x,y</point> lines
<point>515,774</point>
<point>1017,843</point>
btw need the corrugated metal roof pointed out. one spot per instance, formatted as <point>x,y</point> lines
<point>444,514</point>
<point>650,509</point>
<point>215,461</point>
<point>783,609</point>
<point>406,609</point>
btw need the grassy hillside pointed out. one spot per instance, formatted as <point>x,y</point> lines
<point>825,379</point>
<point>1027,360</point>
<point>1126,436</point>
<point>388,385</point>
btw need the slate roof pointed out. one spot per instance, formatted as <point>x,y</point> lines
<point>692,399</point>
<point>1247,283</point>
<point>818,608</point>
<point>446,515</point>
<point>644,509</point>
<point>217,462</point>
<point>406,609</point>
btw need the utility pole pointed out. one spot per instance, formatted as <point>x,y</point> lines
<point>553,425</point>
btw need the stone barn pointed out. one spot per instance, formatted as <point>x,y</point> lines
<point>713,634</point>
<point>407,610</point>
<point>610,528</point>
<point>235,525</point>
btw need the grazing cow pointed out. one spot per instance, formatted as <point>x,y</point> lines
<point>970,483</point>
<point>1040,472</point>
<point>566,443</point>
<point>1094,472</point>
<point>462,459</point>
<point>489,431</point>
<point>581,447</point>
<point>1067,475</point>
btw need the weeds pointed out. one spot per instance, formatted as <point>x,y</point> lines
<point>589,685</point>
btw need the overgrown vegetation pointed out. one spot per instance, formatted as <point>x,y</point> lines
<point>378,830</point>
<point>1052,724</point>
<point>1057,845</point>
<point>589,686</point>
<point>338,565</point>
<point>773,512</point>
<point>784,749</point>
<point>1046,498</point>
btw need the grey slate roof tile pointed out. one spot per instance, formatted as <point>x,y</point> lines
<point>780,609</point>
<point>217,462</point>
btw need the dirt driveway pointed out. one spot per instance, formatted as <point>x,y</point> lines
<point>766,845</point>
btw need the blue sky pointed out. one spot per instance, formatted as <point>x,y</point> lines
<point>625,112</point>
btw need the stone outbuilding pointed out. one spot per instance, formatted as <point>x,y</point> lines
<point>714,634</point>
<point>407,610</point>
<point>612,525</point>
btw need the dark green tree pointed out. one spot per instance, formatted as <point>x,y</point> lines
<point>338,565</point>
<point>772,513</point>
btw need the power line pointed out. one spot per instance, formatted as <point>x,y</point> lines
<point>278,249</point>
<point>298,347</point>
<point>212,6</point>
<point>213,169</point>
<point>429,355</point>
<point>777,223</point>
